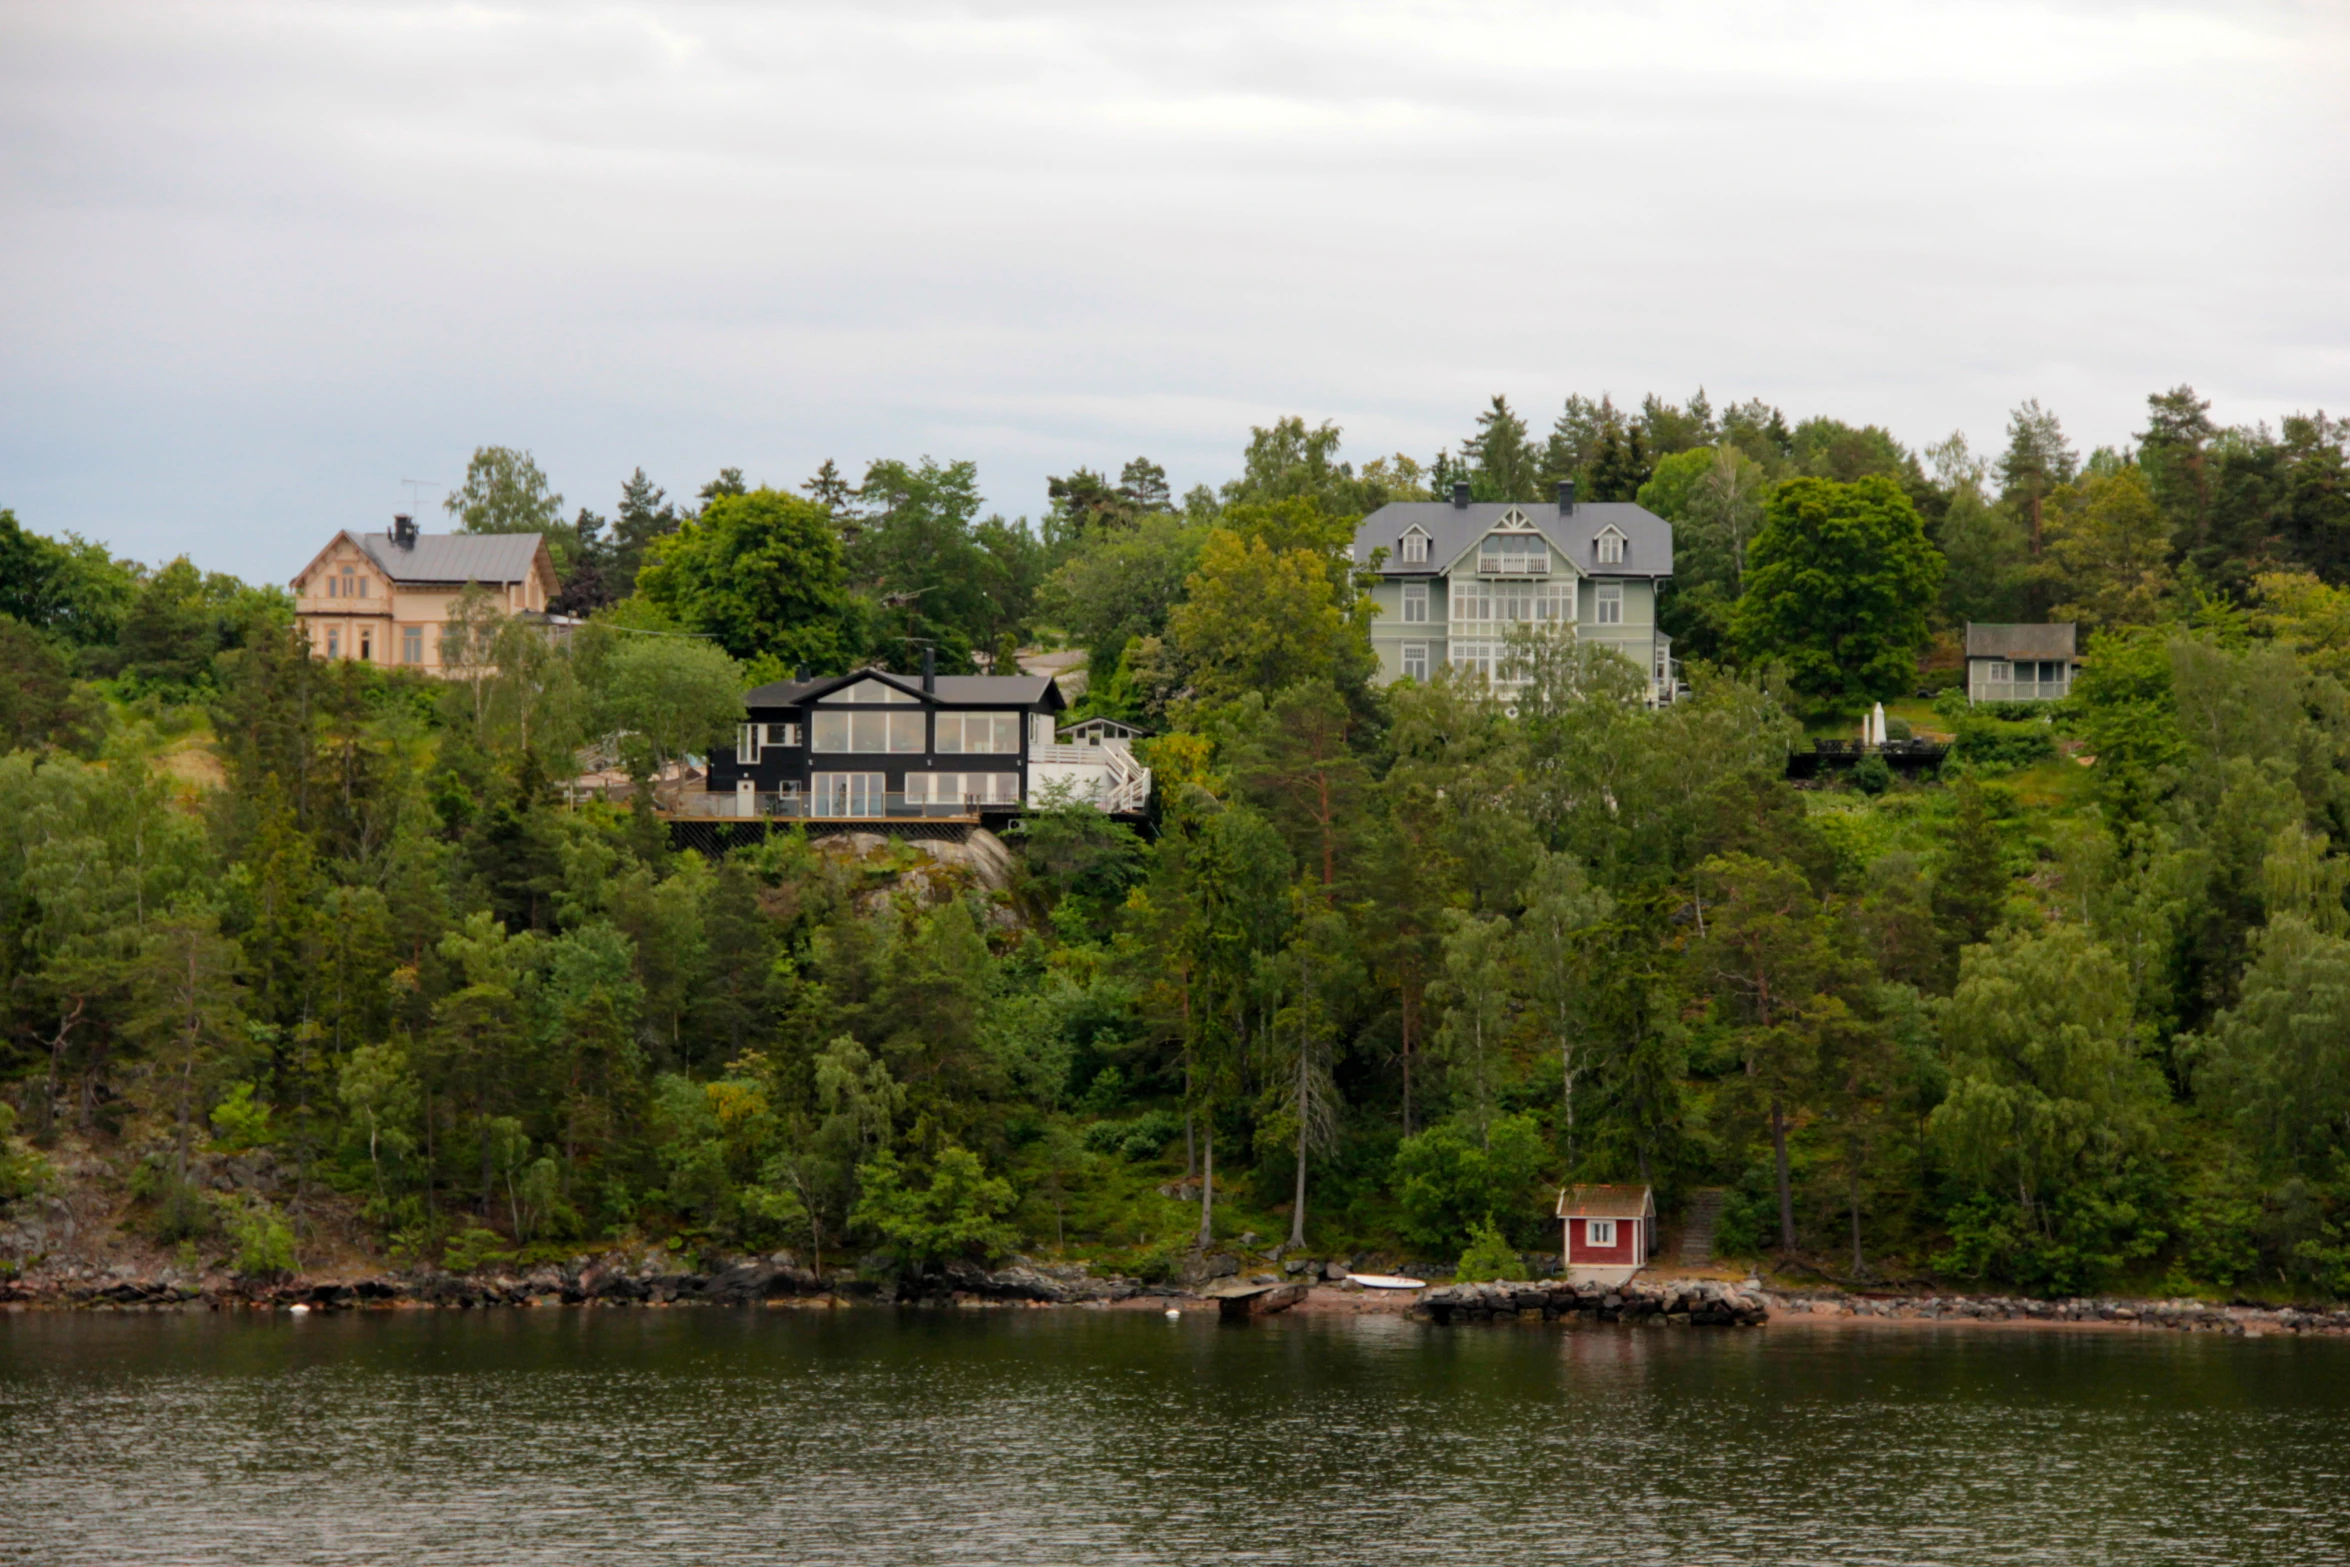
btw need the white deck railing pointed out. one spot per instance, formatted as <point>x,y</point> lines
<point>2019,690</point>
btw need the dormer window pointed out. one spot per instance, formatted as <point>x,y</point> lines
<point>1415,548</point>
<point>1610,545</point>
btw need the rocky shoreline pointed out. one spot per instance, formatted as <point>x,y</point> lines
<point>617,1280</point>
<point>2179,1316</point>
<point>659,1279</point>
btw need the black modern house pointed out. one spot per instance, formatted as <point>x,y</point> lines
<point>874,745</point>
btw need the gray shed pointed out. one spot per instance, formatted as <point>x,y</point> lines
<point>2020,663</point>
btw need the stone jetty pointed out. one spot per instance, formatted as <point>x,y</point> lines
<point>1679,1302</point>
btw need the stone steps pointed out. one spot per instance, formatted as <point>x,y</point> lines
<point>1697,1228</point>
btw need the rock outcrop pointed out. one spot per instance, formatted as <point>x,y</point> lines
<point>1680,1302</point>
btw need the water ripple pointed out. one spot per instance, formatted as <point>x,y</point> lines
<point>1034,1438</point>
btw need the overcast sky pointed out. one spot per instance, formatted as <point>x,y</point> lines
<point>263,261</point>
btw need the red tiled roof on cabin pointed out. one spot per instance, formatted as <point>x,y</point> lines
<point>1606,1202</point>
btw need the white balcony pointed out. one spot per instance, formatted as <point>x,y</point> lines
<point>1104,776</point>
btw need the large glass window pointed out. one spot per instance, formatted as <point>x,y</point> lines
<point>865,731</point>
<point>849,794</point>
<point>1415,660</point>
<point>1486,658</point>
<point>979,732</point>
<point>956,789</point>
<point>871,691</point>
<point>1611,548</point>
<point>411,644</point>
<point>1415,548</point>
<point>1609,604</point>
<point>1475,600</point>
<point>1415,602</point>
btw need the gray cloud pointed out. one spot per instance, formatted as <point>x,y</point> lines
<point>266,259</point>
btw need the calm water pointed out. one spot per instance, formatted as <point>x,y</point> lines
<point>1042,1438</point>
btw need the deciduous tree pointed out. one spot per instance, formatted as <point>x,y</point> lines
<point>1840,587</point>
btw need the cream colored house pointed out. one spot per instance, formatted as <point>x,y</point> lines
<point>383,597</point>
<point>1454,581</point>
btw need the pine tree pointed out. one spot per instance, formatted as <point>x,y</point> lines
<point>1503,465</point>
<point>1619,465</point>
<point>645,514</point>
<point>2037,460</point>
<point>1970,889</point>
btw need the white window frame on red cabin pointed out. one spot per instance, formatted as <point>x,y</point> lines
<point>1591,1232</point>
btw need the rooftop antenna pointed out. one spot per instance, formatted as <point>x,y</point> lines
<point>414,485</point>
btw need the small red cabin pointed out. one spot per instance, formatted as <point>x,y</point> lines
<point>1609,1226</point>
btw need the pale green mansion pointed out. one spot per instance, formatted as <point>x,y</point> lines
<point>1455,577</point>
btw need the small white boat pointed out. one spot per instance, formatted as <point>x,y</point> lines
<point>1387,1281</point>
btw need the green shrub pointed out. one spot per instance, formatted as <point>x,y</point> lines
<point>1489,1256</point>
<point>959,1215</point>
<point>238,1123</point>
<point>1872,775</point>
<point>1139,1138</point>
<point>1157,1263</point>
<point>2022,712</point>
<point>1447,1178</point>
<point>1993,742</point>
<point>474,1247</point>
<point>264,1241</point>
<point>182,1211</point>
<point>2069,1246</point>
<point>22,1170</point>
<point>1749,1215</point>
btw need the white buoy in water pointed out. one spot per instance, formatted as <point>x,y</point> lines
<point>1172,1312</point>
<point>299,1310</point>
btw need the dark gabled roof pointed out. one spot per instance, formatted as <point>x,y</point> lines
<point>1648,538</point>
<point>2053,640</point>
<point>953,690</point>
<point>454,557</point>
<point>1023,689</point>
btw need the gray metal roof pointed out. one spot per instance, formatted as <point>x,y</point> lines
<point>953,690</point>
<point>1648,538</point>
<point>454,557</point>
<point>2053,640</point>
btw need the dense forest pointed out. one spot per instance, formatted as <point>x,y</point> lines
<point>301,953</point>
